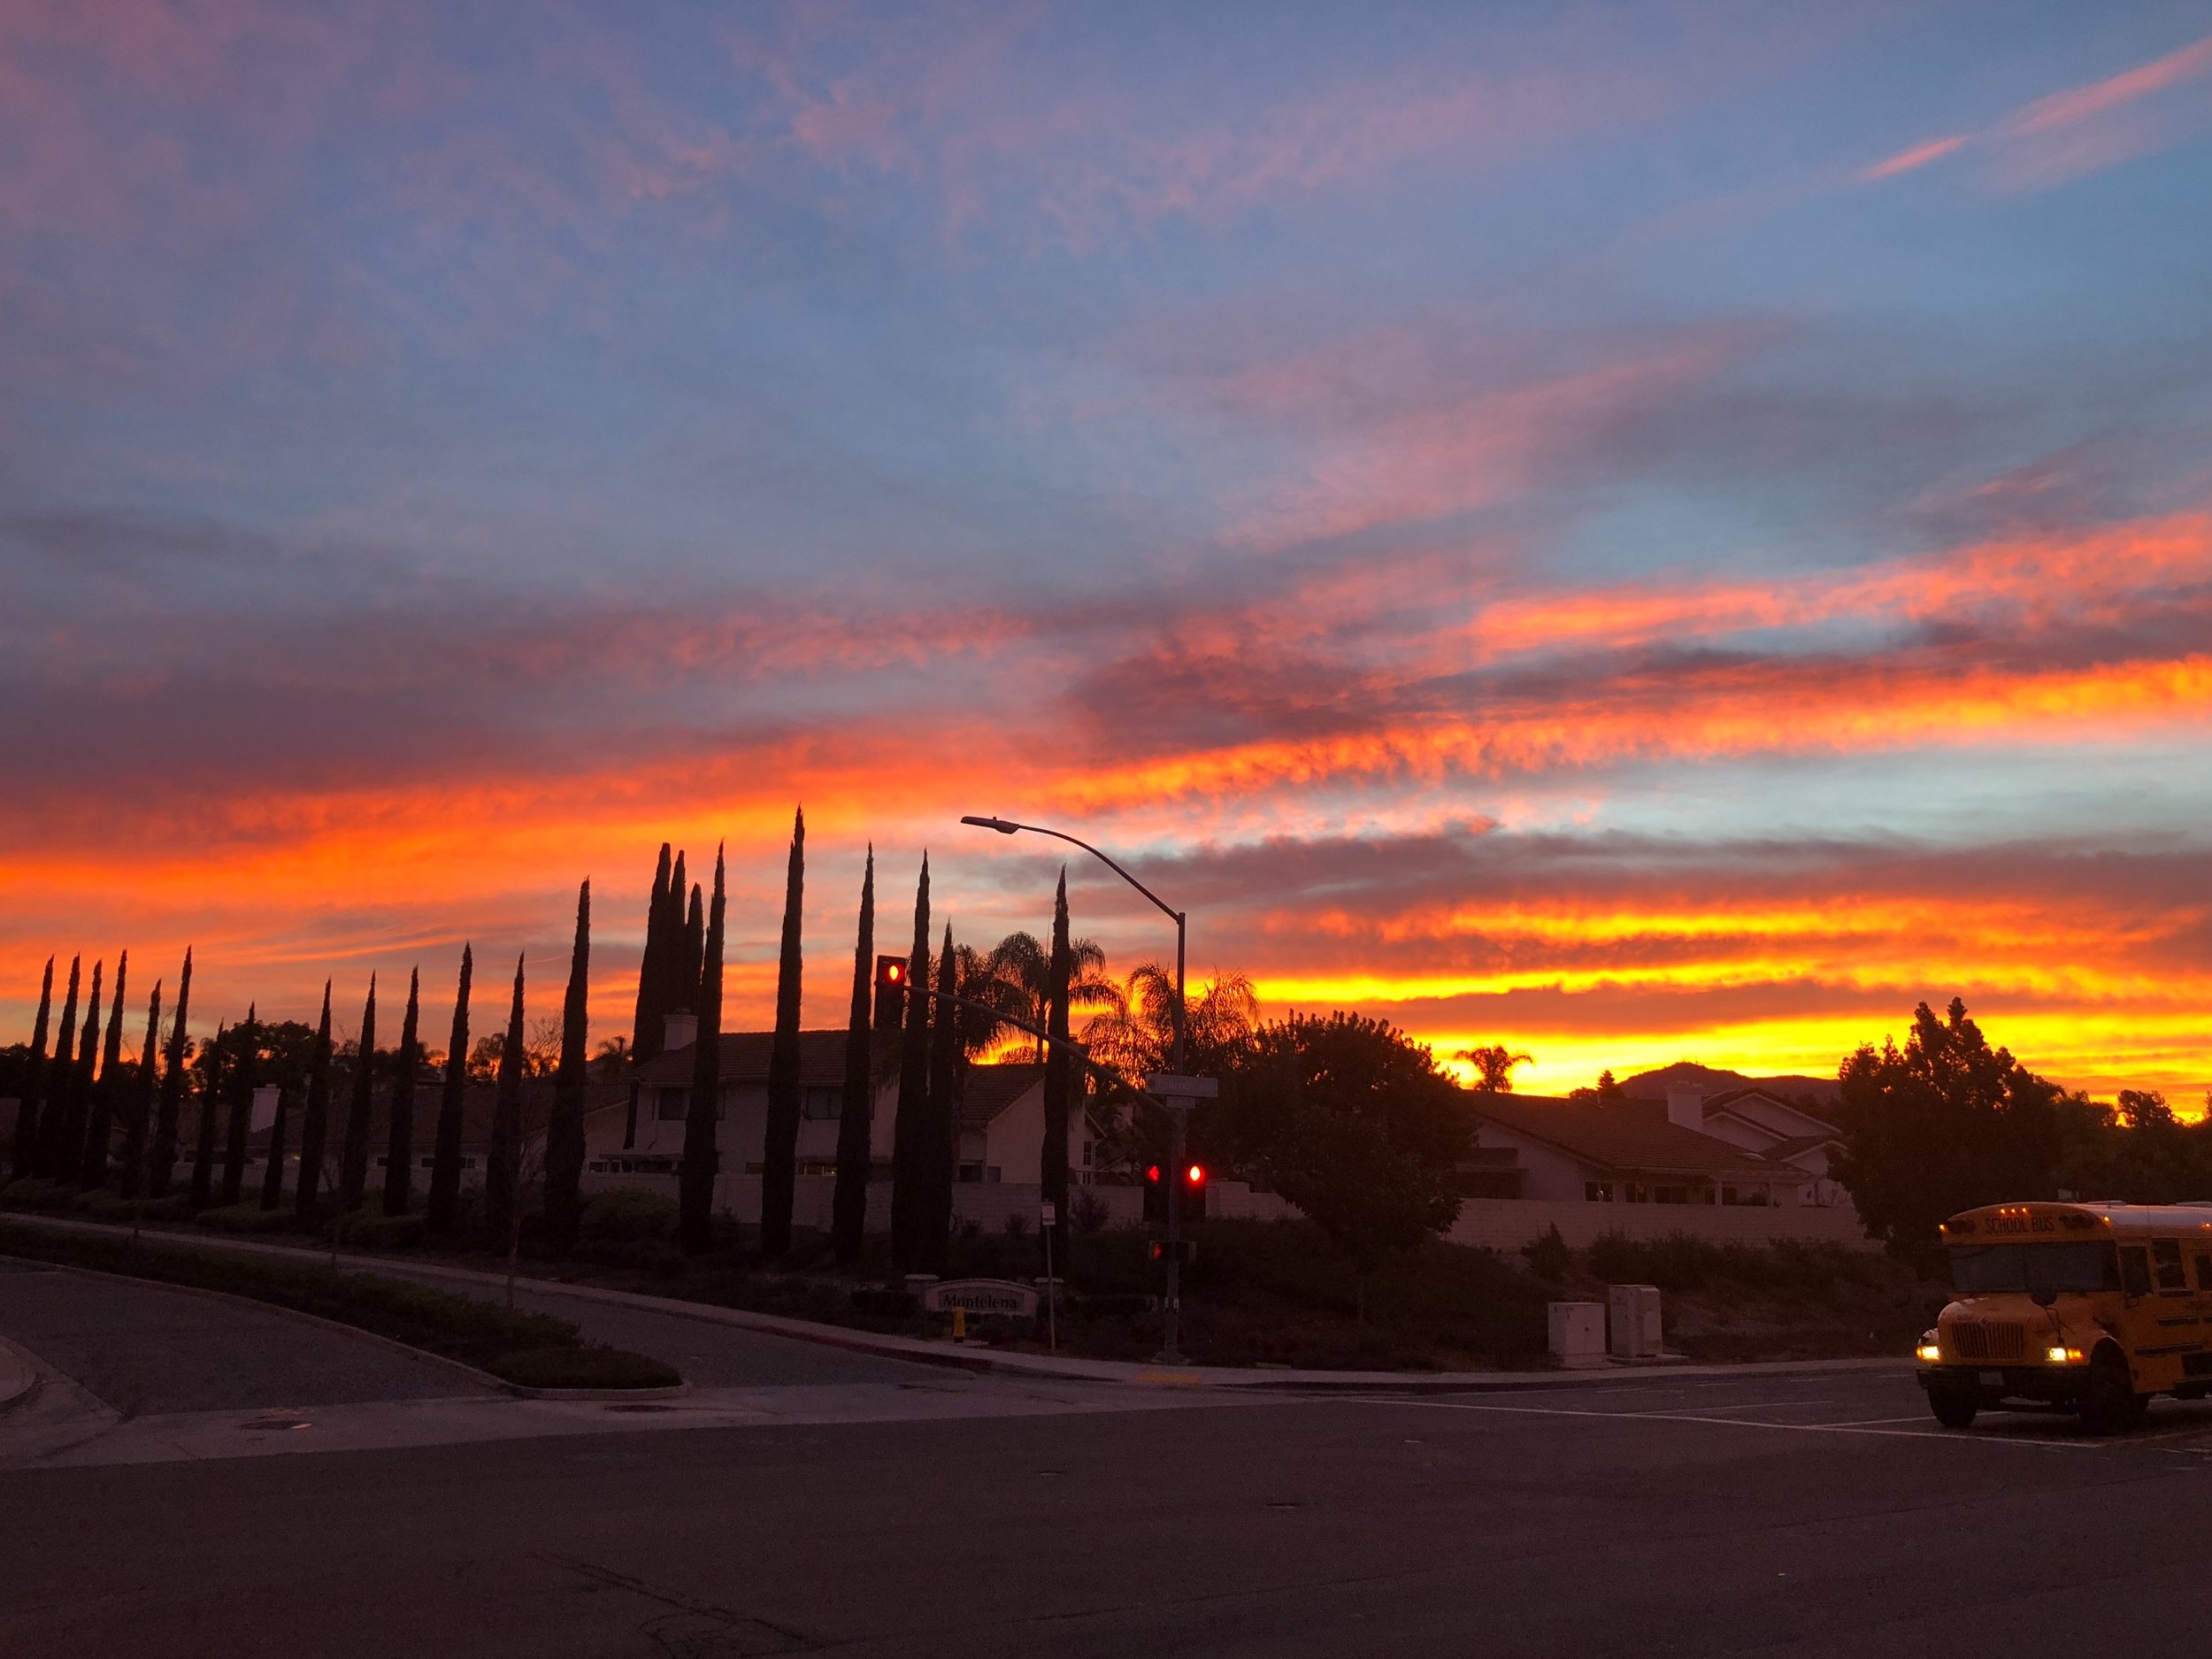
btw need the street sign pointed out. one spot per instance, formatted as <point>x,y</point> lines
<point>1049,1214</point>
<point>1174,1089</point>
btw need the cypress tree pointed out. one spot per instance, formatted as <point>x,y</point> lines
<point>399,1144</point>
<point>92,1168</point>
<point>315,1120</point>
<point>1052,1174</point>
<point>24,1153</point>
<point>678,992</point>
<point>245,1072</point>
<point>780,1154</point>
<point>173,1081</point>
<point>564,1127</point>
<point>910,1125</point>
<point>203,1151</point>
<point>353,1155</point>
<point>61,1075</point>
<point>502,1161</point>
<point>445,1157</point>
<point>272,1172</point>
<point>142,1102</point>
<point>691,968</point>
<point>646,1029</point>
<point>701,1161</point>
<point>942,1151</point>
<point>849,1202</point>
<point>69,1142</point>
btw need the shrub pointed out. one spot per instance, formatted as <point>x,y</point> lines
<point>1088,1213</point>
<point>386,1233</point>
<point>1017,1225</point>
<point>590,1367</point>
<point>626,1216</point>
<point>1548,1258</point>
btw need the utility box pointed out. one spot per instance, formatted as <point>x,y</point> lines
<point>1578,1332</point>
<point>1633,1321</point>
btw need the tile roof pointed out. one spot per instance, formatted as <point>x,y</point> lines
<point>1629,1136</point>
<point>989,1090</point>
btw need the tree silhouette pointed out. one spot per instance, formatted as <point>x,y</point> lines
<point>315,1119</point>
<point>850,1202</point>
<point>780,1156</point>
<point>701,1158</point>
<point>24,1151</point>
<point>173,1081</point>
<point>565,1128</point>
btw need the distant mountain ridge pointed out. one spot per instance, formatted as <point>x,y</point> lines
<point>1714,1080</point>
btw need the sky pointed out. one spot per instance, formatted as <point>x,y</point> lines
<point>1643,532</point>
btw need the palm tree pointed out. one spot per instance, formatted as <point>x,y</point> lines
<point>1014,976</point>
<point>1493,1067</point>
<point>1135,1031</point>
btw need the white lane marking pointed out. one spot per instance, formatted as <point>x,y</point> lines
<point>1869,1423</point>
<point>1734,1423</point>
<point>1753,1405</point>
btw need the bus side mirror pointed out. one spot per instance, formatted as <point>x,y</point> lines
<point>2044,1298</point>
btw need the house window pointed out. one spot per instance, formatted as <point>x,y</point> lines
<point>1598,1192</point>
<point>1669,1195</point>
<point>822,1103</point>
<point>674,1105</point>
<point>1638,1193</point>
<point>971,1173</point>
<point>1087,1145</point>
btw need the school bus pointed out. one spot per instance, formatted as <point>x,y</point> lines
<point>2090,1307</point>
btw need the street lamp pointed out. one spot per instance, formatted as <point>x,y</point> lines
<point>1175,1091</point>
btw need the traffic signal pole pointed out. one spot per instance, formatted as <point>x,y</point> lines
<point>1179,1102</point>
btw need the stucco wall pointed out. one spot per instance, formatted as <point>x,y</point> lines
<point>1507,1224</point>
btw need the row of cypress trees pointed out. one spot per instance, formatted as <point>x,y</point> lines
<point>933,1049</point>
<point>64,1130</point>
<point>66,1125</point>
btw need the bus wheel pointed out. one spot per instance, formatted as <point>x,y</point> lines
<point>2109,1404</point>
<point>1953,1408</point>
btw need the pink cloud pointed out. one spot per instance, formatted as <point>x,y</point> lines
<point>2079,130</point>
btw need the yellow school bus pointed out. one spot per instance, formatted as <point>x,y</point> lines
<point>2092,1307</point>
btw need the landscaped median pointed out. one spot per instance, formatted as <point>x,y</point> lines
<point>526,1352</point>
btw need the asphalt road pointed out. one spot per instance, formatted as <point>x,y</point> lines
<point>1810,1515</point>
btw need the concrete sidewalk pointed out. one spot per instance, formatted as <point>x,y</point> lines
<point>974,1357</point>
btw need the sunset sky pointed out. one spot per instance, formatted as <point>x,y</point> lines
<point>1638,532</point>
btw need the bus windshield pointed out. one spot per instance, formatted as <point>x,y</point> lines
<point>1984,1269</point>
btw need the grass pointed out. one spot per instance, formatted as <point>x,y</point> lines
<point>532,1350</point>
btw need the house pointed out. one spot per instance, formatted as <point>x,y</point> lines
<point>1769,1126</point>
<point>1528,1146</point>
<point>1001,1122</point>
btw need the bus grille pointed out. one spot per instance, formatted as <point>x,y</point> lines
<point>1987,1341</point>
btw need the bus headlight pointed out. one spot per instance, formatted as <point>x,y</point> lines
<point>2059,1355</point>
<point>1928,1353</point>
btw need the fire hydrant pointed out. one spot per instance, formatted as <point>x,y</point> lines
<point>959,1325</point>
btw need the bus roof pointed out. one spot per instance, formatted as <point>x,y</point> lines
<point>2002,1223</point>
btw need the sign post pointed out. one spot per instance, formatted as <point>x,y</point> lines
<point>1047,1219</point>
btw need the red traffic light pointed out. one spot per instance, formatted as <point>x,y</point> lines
<point>1152,1175</point>
<point>1195,1176</point>
<point>892,970</point>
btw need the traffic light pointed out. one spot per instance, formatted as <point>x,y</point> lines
<point>890,992</point>
<point>1194,1179</point>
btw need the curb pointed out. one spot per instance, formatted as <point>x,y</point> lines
<point>1035,1366</point>
<point>19,1377</point>
<point>454,1367</point>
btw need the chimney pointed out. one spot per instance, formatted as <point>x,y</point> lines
<point>678,1030</point>
<point>1685,1108</point>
